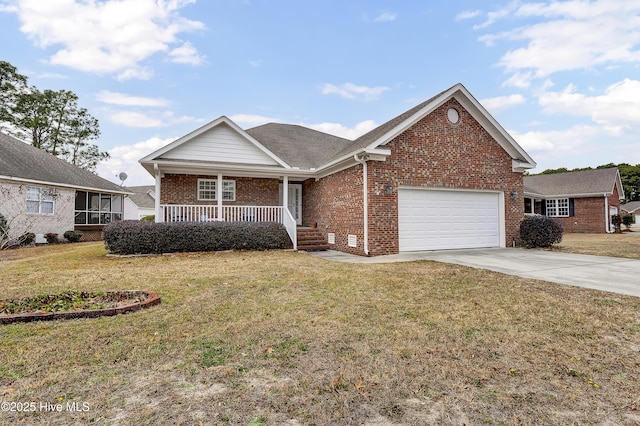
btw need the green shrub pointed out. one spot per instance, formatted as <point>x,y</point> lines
<point>540,231</point>
<point>73,236</point>
<point>51,237</point>
<point>136,237</point>
<point>148,218</point>
<point>4,227</point>
<point>627,221</point>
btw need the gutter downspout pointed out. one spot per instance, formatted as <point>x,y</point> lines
<point>365,197</point>
<point>159,215</point>
<point>606,215</point>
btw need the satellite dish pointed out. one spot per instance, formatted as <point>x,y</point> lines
<point>122,176</point>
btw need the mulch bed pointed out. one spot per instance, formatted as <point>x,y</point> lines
<point>116,302</point>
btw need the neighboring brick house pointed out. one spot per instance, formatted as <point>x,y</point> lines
<point>582,201</point>
<point>42,194</point>
<point>442,175</point>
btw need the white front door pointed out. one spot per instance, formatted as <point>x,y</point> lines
<point>294,201</point>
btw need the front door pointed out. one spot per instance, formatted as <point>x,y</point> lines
<point>294,198</point>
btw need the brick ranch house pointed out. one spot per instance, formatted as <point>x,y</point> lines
<point>583,201</point>
<point>442,175</point>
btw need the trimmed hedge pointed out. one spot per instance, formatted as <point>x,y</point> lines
<point>137,237</point>
<point>540,231</point>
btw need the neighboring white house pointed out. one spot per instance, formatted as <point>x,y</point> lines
<point>140,203</point>
<point>632,208</point>
<point>42,194</point>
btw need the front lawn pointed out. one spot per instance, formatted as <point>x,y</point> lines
<point>272,338</point>
<point>626,244</point>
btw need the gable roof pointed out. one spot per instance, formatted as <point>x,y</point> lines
<point>22,162</point>
<point>295,148</point>
<point>140,196</point>
<point>631,207</point>
<point>384,133</point>
<point>250,143</point>
<point>585,183</point>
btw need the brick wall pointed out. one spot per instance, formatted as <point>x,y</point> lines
<point>434,153</point>
<point>183,189</point>
<point>590,216</point>
<point>335,203</point>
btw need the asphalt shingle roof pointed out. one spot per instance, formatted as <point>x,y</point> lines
<point>599,181</point>
<point>298,146</point>
<point>141,197</point>
<point>631,207</point>
<point>24,161</point>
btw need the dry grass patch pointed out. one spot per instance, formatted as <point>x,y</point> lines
<point>625,245</point>
<point>286,338</point>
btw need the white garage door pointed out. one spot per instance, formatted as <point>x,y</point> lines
<point>436,220</point>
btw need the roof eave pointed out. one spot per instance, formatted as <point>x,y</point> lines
<point>64,185</point>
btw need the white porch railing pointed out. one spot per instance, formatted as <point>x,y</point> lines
<point>208,213</point>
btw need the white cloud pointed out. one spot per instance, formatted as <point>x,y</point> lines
<point>467,14</point>
<point>106,36</point>
<point>342,131</point>
<point>125,158</point>
<point>351,91</point>
<point>186,54</point>
<point>385,17</point>
<point>569,35</point>
<point>617,109</point>
<point>129,100</point>
<point>500,102</point>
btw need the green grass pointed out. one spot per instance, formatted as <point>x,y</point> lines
<point>285,338</point>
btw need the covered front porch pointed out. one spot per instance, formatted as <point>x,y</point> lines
<point>207,213</point>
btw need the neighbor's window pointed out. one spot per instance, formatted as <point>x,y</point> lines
<point>558,207</point>
<point>207,189</point>
<point>40,200</point>
<point>529,206</point>
<point>94,208</point>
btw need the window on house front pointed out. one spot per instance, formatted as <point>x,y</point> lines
<point>40,200</point>
<point>558,207</point>
<point>207,189</point>
<point>93,208</point>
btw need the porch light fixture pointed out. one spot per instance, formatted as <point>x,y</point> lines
<point>388,190</point>
<point>514,195</point>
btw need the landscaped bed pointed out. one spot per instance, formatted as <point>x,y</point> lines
<point>280,337</point>
<point>74,304</point>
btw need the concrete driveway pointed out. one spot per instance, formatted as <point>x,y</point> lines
<point>612,274</point>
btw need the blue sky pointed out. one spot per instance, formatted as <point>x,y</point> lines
<point>563,77</point>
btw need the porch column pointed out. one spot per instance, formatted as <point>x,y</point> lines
<point>219,196</point>
<point>285,194</point>
<point>158,209</point>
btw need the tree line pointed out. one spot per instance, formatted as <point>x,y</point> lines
<point>629,175</point>
<point>50,120</point>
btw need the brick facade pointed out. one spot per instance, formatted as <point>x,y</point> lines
<point>433,153</point>
<point>183,189</point>
<point>335,203</point>
<point>589,214</point>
